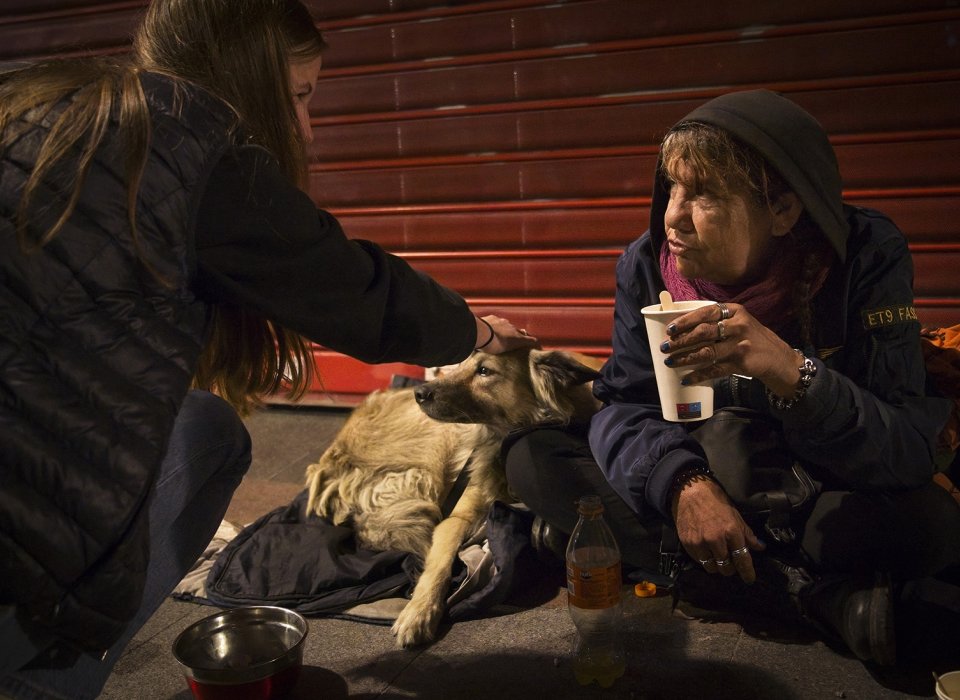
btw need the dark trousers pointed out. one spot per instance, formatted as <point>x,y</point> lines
<point>910,534</point>
<point>550,469</point>
<point>208,454</point>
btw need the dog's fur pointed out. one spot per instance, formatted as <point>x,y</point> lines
<point>393,463</point>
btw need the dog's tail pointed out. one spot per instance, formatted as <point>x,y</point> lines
<point>323,485</point>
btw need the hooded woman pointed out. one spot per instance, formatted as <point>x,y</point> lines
<point>814,327</point>
<point>160,267</point>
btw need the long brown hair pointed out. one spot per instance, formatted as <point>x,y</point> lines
<point>239,50</point>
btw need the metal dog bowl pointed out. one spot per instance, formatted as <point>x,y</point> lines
<point>250,653</point>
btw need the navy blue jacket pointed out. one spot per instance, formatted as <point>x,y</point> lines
<point>865,419</point>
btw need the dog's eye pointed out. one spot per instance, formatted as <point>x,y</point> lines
<point>483,371</point>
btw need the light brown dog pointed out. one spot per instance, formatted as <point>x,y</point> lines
<point>399,453</point>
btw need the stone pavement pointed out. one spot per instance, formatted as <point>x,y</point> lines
<point>520,649</point>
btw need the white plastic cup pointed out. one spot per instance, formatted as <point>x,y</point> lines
<point>679,403</point>
<point>949,687</point>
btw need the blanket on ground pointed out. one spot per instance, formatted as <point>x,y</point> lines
<point>306,563</point>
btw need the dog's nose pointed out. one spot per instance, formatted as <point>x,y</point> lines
<point>423,393</point>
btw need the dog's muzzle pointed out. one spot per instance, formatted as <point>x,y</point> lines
<point>423,394</point>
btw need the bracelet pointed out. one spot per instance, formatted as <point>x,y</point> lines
<point>688,476</point>
<point>492,334</point>
<point>808,371</point>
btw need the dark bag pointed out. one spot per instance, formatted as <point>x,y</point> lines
<point>747,453</point>
<point>773,492</point>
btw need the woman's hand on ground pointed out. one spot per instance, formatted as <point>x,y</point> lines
<point>712,531</point>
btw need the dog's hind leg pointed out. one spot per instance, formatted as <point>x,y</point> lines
<point>405,526</point>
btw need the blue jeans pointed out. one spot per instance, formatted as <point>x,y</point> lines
<point>208,455</point>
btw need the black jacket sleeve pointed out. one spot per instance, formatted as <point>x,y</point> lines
<point>263,244</point>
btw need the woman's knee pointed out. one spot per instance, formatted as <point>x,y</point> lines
<point>208,430</point>
<point>549,470</point>
<point>910,534</point>
<point>534,459</point>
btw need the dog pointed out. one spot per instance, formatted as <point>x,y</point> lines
<point>399,453</point>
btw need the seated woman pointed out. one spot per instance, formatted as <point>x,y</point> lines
<point>814,327</point>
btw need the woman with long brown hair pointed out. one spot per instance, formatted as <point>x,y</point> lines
<point>162,267</point>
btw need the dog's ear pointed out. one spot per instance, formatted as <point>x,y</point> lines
<point>555,374</point>
<point>561,368</point>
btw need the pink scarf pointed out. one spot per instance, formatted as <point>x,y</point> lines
<point>769,299</point>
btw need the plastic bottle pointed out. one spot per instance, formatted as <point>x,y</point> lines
<point>593,597</point>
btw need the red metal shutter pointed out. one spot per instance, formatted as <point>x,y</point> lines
<point>507,146</point>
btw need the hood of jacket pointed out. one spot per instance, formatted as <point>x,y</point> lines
<point>791,140</point>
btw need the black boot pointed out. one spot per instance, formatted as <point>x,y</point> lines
<point>774,594</point>
<point>858,610</point>
<point>549,543</point>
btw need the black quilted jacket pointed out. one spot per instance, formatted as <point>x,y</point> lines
<point>97,350</point>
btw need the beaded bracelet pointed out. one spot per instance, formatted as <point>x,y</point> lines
<point>492,335</point>
<point>689,476</point>
<point>808,371</point>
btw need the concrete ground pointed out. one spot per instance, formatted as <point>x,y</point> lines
<point>521,648</point>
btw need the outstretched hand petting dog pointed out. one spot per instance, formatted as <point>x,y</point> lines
<point>496,335</point>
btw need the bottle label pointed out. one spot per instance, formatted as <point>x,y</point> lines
<point>593,589</point>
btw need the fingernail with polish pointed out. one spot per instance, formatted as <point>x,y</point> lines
<point>684,382</point>
<point>671,329</point>
<point>668,362</point>
<point>665,346</point>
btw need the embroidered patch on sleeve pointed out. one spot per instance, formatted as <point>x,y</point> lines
<point>888,316</point>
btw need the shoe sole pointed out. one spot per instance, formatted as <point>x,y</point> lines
<point>883,647</point>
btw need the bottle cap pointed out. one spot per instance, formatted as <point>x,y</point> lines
<point>589,505</point>
<point>645,589</point>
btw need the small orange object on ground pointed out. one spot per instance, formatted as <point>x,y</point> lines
<point>645,589</point>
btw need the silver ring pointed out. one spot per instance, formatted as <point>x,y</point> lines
<point>721,333</point>
<point>739,552</point>
<point>724,311</point>
<point>722,562</point>
<point>523,331</point>
<point>704,562</point>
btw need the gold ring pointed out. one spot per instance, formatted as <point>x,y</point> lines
<point>721,333</point>
<point>724,311</point>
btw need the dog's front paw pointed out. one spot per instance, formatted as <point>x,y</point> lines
<point>417,623</point>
